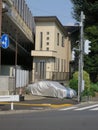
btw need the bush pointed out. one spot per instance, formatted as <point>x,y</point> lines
<point>88,92</point>
<point>73,83</point>
<point>94,87</point>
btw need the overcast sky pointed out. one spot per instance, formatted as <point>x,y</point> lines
<point>60,8</point>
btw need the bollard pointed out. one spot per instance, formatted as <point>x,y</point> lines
<point>12,106</point>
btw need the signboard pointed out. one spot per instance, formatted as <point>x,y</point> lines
<point>5,41</point>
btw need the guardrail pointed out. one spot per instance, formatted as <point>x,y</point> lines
<point>10,98</point>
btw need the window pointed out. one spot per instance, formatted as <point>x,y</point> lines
<point>62,41</point>
<point>36,66</point>
<point>47,48</point>
<point>47,43</point>
<point>61,65</point>
<point>47,33</point>
<point>57,38</point>
<point>55,64</point>
<point>64,65</point>
<point>47,38</point>
<point>41,40</point>
<point>58,64</point>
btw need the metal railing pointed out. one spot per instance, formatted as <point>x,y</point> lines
<point>54,76</point>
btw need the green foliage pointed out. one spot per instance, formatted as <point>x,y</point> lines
<point>74,84</point>
<point>91,60</point>
<point>88,92</point>
<point>74,81</point>
<point>92,32</point>
<point>90,88</point>
<point>94,86</point>
<point>91,91</point>
<point>90,9</point>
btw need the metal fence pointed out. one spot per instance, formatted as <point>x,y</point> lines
<point>55,76</point>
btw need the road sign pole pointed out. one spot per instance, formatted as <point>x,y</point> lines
<point>16,63</point>
<point>0,31</point>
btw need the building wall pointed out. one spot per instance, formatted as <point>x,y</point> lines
<point>45,28</point>
<point>24,12</point>
<point>51,36</point>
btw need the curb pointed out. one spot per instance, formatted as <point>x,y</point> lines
<point>39,105</point>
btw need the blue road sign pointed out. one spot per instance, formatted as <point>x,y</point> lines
<point>0,42</point>
<point>5,41</point>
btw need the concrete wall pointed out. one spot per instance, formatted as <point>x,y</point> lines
<point>7,85</point>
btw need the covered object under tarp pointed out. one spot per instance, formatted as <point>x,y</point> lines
<point>51,89</point>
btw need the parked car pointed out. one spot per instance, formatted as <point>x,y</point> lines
<point>51,89</point>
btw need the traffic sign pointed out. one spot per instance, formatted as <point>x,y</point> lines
<point>0,42</point>
<point>5,41</point>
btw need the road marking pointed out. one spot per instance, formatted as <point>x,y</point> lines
<point>69,108</point>
<point>94,109</point>
<point>84,108</point>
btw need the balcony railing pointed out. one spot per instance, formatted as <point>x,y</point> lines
<point>54,76</point>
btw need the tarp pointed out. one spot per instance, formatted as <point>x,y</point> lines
<point>51,89</point>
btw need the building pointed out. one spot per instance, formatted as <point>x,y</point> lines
<point>17,21</point>
<point>52,54</point>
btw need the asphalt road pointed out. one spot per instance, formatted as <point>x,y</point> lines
<point>51,120</point>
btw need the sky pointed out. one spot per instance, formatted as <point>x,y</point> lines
<point>60,8</point>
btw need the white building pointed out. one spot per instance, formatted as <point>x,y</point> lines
<point>52,52</point>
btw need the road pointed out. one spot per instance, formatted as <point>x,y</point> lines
<point>72,118</point>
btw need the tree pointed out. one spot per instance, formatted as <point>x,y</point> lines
<point>90,9</point>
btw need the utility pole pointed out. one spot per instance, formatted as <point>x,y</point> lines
<point>16,62</point>
<point>80,75</point>
<point>0,31</point>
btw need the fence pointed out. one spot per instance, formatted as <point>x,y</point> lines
<point>22,77</point>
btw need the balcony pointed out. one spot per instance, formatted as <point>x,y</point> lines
<point>44,53</point>
<point>53,76</point>
<point>16,21</point>
<point>16,18</point>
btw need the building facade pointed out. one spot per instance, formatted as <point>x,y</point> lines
<point>17,22</point>
<point>52,52</point>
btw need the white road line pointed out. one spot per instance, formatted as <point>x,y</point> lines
<point>94,109</point>
<point>84,108</point>
<point>69,108</point>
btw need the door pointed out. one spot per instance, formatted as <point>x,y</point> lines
<point>42,69</point>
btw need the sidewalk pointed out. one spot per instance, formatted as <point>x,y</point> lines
<point>36,103</point>
<point>32,97</point>
<point>33,103</point>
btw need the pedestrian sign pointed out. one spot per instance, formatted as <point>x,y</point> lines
<point>5,41</point>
